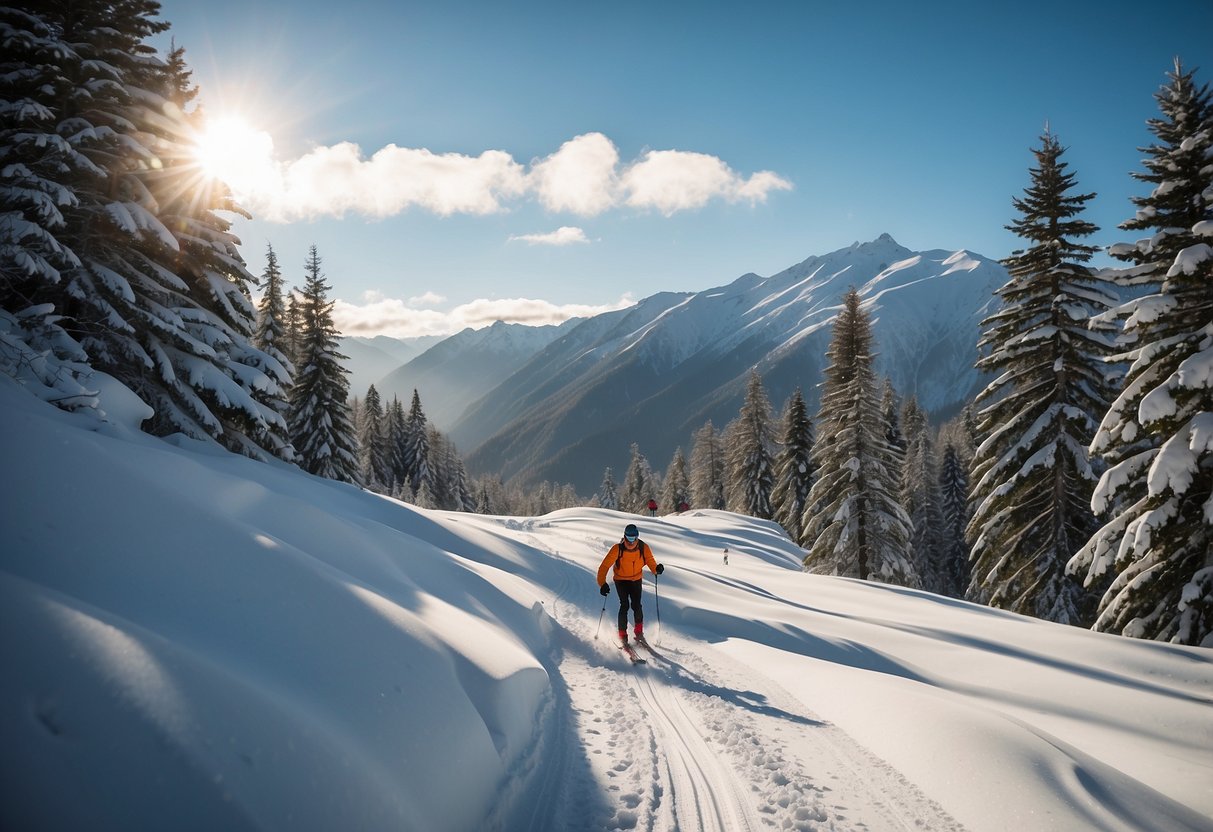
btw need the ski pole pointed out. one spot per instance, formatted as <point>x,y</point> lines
<point>600,615</point>
<point>657,600</point>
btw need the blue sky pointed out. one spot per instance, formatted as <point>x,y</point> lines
<point>797,128</point>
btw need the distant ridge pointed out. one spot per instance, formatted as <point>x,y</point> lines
<point>655,372</point>
<point>370,359</point>
<point>457,370</point>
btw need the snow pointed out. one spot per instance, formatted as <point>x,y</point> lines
<point>961,261</point>
<point>1189,259</point>
<point>191,639</point>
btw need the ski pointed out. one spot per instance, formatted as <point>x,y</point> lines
<point>645,644</point>
<point>630,652</point>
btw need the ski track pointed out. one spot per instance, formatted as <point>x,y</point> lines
<point>690,741</point>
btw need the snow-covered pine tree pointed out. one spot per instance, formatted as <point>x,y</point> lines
<point>566,496</point>
<point>954,510</point>
<point>294,326</point>
<point>373,456</point>
<point>449,481</point>
<point>958,432</point>
<point>484,503</point>
<point>356,413</point>
<point>968,417</point>
<point>608,492</point>
<point>920,496</point>
<point>396,423</point>
<point>795,470</point>
<point>424,498</point>
<point>543,499</point>
<point>1032,478</point>
<point>67,146</point>
<point>1157,436</point>
<point>416,448</point>
<point>854,524</point>
<point>707,469</point>
<point>154,289</point>
<point>442,473</point>
<point>890,406</point>
<point>677,488</point>
<point>892,409</point>
<point>462,498</point>
<point>245,394</point>
<point>912,422</point>
<point>321,429</point>
<point>37,167</point>
<point>638,485</point>
<point>490,495</point>
<point>751,469</point>
<point>270,336</point>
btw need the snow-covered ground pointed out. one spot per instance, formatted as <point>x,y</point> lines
<point>193,640</point>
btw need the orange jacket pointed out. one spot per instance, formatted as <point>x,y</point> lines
<point>630,566</point>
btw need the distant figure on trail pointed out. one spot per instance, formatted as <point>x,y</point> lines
<point>652,508</point>
<point>726,555</point>
<point>683,507</point>
<point>630,555</point>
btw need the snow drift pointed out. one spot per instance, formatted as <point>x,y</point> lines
<point>194,640</point>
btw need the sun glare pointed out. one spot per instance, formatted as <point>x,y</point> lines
<point>231,150</point>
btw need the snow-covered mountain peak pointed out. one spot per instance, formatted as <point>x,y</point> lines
<point>498,336</point>
<point>867,258</point>
<point>884,242</point>
<point>962,261</point>
<point>668,364</point>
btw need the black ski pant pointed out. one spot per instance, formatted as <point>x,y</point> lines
<point>629,596</point>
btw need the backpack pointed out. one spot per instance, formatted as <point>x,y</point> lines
<point>640,545</point>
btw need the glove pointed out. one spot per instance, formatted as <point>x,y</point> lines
<point>604,589</point>
<point>660,569</point>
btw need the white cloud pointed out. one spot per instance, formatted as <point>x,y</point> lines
<point>583,177</point>
<point>388,316</point>
<point>337,180</point>
<point>398,318</point>
<point>483,312</point>
<point>562,236</point>
<point>426,299</point>
<point>677,180</point>
<point>580,177</point>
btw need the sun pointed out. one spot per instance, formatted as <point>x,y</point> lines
<point>230,150</point>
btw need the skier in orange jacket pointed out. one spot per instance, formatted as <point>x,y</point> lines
<point>629,556</point>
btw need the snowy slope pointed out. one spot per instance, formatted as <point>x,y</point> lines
<point>194,640</point>
<point>659,381</point>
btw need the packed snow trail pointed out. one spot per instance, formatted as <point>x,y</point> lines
<point>694,773</point>
<point>686,743</point>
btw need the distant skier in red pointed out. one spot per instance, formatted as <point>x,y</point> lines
<point>652,508</point>
<point>629,556</point>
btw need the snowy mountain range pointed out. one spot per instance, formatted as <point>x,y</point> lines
<point>564,402</point>
<point>370,359</point>
<point>655,372</point>
<point>194,640</point>
<point>456,371</point>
